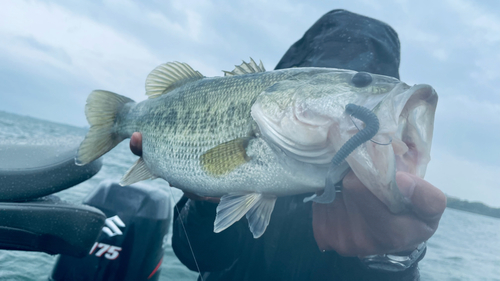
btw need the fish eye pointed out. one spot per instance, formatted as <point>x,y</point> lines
<point>361,79</point>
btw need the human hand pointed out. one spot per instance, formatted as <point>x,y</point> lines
<point>136,143</point>
<point>136,148</point>
<point>358,224</point>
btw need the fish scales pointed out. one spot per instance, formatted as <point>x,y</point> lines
<point>180,126</point>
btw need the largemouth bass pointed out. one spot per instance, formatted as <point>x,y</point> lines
<point>253,135</point>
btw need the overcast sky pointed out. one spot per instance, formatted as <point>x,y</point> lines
<point>54,53</point>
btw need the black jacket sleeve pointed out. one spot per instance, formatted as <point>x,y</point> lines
<point>287,251</point>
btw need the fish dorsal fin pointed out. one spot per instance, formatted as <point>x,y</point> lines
<point>246,68</point>
<point>225,157</point>
<point>168,76</point>
<point>138,172</point>
<point>257,207</point>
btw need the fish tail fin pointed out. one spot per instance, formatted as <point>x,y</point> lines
<point>102,110</point>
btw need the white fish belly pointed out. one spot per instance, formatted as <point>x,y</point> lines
<point>264,173</point>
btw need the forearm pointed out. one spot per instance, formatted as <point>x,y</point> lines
<point>212,251</point>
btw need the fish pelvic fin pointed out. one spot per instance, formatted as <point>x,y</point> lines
<point>257,207</point>
<point>138,172</point>
<point>168,76</point>
<point>246,68</point>
<point>101,110</point>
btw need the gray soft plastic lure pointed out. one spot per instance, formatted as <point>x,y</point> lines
<point>370,130</point>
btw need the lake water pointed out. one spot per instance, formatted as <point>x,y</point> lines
<point>465,247</point>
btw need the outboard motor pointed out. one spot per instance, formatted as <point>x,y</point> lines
<point>130,246</point>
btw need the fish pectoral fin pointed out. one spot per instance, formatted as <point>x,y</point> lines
<point>246,68</point>
<point>138,172</point>
<point>225,157</point>
<point>257,207</point>
<point>168,76</point>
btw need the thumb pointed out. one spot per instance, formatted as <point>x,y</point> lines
<point>428,202</point>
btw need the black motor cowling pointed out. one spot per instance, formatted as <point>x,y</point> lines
<point>130,246</point>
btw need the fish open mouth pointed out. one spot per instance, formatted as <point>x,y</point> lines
<point>408,119</point>
<point>415,130</point>
<point>406,116</point>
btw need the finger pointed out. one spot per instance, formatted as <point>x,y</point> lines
<point>356,192</point>
<point>428,202</point>
<point>388,232</point>
<point>136,143</point>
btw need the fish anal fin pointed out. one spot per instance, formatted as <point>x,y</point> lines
<point>257,207</point>
<point>246,68</point>
<point>225,157</point>
<point>260,214</point>
<point>138,172</point>
<point>166,77</point>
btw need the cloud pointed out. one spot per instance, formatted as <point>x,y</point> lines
<point>480,29</point>
<point>32,44</point>
<point>481,23</point>
<point>468,126</point>
<point>460,177</point>
<point>92,51</point>
<point>468,109</point>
